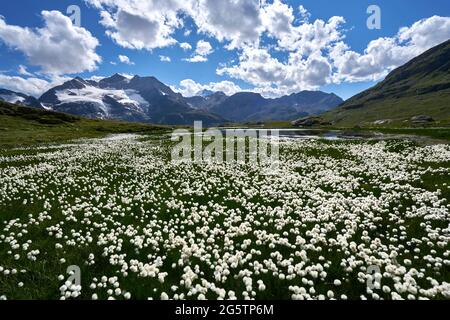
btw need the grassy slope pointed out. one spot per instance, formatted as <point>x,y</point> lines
<point>399,110</point>
<point>27,126</point>
<point>422,86</point>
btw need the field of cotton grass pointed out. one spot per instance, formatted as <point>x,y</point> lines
<point>141,227</point>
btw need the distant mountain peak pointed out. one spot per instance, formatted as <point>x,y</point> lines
<point>75,83</point>
<point>117,77</point>
<point>115,81</point>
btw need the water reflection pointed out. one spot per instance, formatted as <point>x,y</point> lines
<point>303,134</point>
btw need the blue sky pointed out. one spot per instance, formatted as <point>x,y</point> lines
<point>270,46</point>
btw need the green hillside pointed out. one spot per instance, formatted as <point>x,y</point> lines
<point>420,87</point>
<point>26,126</point>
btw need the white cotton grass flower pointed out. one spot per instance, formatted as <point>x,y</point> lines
<point>164,296</point>
<point>143,211</point>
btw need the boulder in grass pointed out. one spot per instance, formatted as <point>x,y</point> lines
<point>381,122</point>
<point>310,122</point>
<point>422,119</point>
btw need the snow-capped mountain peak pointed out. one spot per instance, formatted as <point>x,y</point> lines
<point>118,97</point>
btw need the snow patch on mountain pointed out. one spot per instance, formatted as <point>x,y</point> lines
<point>136,97</point>
<point>128,98</point>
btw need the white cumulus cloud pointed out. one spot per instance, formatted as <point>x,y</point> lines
<point>23,71</point>
<point>150,24</point>
<point>236,21</point>
<point>142,24</point>
<point>185,46</point>
<point>31,86</point>
<point>57,48</point>
<point>203,49</point>
<point>125,59</point>
<point>189,87</point>
<point>259,68</point>
<point>317,53</point>
<point>196,58</point>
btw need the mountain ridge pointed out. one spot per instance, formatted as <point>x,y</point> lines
<point>253,107</point>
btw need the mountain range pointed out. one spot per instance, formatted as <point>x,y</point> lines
<point>146,99</point>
